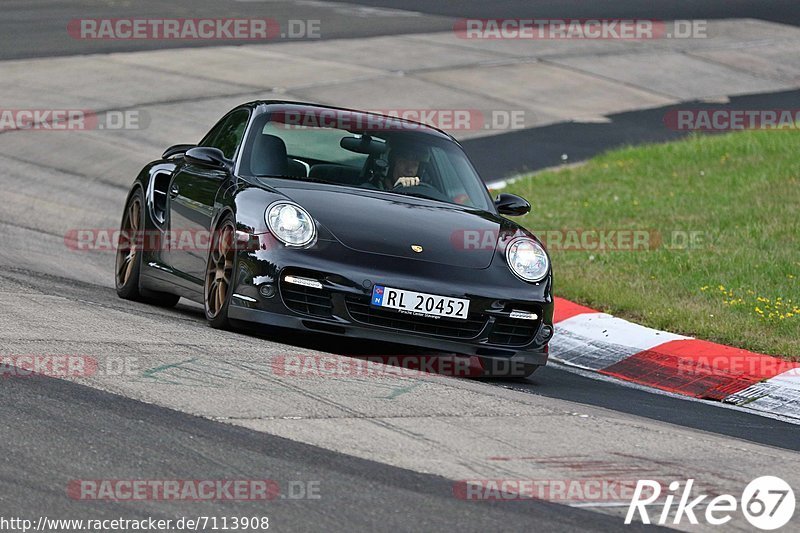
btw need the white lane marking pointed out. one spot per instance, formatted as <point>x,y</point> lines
<point>602,327</point>
<point>583,352</point>
<point>598,340</point>
<point>583,342</point>
<point>779,395</point>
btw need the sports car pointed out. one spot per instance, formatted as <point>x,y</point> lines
<point>343,222</point>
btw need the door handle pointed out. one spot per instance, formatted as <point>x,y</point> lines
<point>173,192</point>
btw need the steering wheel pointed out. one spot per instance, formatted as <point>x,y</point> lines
<point>424,189</point>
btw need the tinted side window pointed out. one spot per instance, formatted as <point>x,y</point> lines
<point>228,134</point>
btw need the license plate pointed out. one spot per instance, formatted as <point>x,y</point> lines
<point>419,303</point>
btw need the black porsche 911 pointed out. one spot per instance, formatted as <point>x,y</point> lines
<point>342,222</point>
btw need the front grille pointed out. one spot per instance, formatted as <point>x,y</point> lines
<point>513,332</point>
<point>307,300</point>
<point>363,312</point>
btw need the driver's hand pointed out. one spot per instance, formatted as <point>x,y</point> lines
<point>407,181</point>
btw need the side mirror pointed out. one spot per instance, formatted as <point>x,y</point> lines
<point>207,156</point>
<point>512,205</point>
<point>176,150</point>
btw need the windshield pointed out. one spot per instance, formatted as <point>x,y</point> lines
<point>393,158</point>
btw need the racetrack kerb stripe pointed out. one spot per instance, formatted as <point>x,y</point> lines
<point>686,366</point>
<point>565,309</point>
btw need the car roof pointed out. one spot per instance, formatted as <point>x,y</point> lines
<point>285,105</point>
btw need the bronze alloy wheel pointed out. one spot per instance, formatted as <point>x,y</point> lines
<point>127,249</point>
<point>130,254</point>
<point>219,271</point>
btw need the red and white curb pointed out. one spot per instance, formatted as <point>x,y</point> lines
<point>602,343</point>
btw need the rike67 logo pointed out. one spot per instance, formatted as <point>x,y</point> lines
<point>767,502</point>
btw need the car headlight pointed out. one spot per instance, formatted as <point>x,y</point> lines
<point>527,259</point>
<point>290,223</point>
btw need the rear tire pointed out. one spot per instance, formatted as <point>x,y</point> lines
<point>220,267</point>
<point>128,263</point>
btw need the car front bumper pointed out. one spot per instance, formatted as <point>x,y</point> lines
<point>341,306</point>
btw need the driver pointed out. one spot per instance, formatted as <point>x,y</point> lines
<point>404,163</point>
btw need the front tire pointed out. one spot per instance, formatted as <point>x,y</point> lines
<point>220,267</point>
<point>128,263</point>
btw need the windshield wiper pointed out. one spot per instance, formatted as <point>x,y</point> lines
<point>298,178</point>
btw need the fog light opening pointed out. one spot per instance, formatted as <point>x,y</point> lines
<point>267,290</point>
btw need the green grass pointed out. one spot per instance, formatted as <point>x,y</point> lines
<point>740,191</point>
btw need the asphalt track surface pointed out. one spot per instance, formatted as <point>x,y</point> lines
<point>538,148</point>
<point>53,431</point>
<point>783,11</point>
<point>36,28</point>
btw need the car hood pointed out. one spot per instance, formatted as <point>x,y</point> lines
<point>390,224</point>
